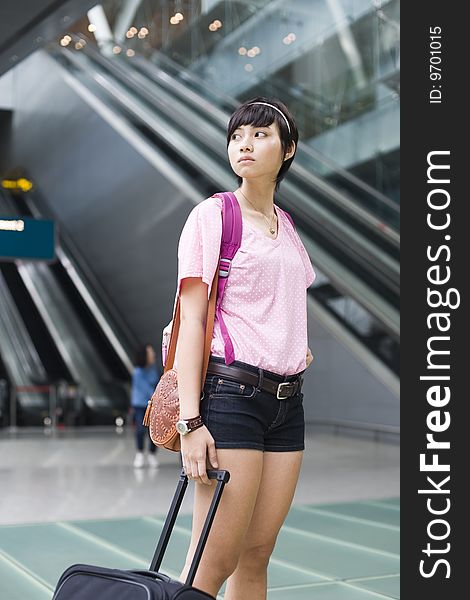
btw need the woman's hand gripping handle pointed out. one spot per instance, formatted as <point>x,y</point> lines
<point>198,447</point>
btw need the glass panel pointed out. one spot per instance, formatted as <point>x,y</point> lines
<point>335,64</point>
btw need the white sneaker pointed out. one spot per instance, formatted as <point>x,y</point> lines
<point>153,461</point>
<point>139,460</point>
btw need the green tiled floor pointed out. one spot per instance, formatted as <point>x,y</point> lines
<point>345,551</point>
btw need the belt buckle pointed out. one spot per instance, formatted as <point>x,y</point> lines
<point>279,389</point>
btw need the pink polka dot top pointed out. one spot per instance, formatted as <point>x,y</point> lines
<point>265,300</point>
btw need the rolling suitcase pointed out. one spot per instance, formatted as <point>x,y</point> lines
<point>88,582</point>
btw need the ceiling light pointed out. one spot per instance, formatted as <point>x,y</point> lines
<point>130,52</point>
<point>116,49</point>
<point>91,27</point>
<point>179,16</point>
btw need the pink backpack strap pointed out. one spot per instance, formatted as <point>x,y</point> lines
<point>232,224</point>
<point>230,243</point>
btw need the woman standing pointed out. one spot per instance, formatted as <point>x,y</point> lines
<point>144,380</point>
<point>251,409</point>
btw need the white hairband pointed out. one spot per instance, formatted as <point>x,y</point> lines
<point>275,108</point>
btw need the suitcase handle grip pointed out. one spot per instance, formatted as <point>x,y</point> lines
<point>219,475</point>
<point>222,478</point>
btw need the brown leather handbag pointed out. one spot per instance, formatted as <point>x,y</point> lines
<point>163,409</point>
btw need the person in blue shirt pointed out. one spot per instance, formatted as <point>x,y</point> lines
<point>144,379</point>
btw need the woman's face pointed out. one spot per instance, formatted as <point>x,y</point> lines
<point>150,355</point>
<point>262,145</point>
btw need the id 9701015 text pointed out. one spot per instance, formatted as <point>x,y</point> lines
<point>435,60</point>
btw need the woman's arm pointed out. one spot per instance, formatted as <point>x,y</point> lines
<point>309,357</point>
<point>193,313</point>
<point>197,444</point>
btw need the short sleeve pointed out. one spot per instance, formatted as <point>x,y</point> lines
<point>199,243</point>
<point>310,274</point>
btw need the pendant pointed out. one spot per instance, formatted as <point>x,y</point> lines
<point>273,231</point>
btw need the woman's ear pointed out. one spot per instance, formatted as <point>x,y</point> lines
<point>290,152</point>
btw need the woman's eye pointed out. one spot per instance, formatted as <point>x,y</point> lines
<point>235,134</point>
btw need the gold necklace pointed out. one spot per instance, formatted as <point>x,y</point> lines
<point>271,227</point>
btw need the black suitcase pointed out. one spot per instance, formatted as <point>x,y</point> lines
<point>88,582</point>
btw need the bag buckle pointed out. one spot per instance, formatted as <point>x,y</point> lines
<point>224,269</point>
<point>279,387</point>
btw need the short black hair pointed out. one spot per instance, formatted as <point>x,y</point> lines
<point>140,356</point>
<point>260,115</point>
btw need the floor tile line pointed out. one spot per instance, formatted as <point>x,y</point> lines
<point>373,593</point>
<point>178,528</point>
<point>91,537</point>
<point>380,505</point>
<point>155,520</point>
<point>299,586</point>
<point>24,571</point>
<point>32,524</point>
<point>273,559</point>
<point>114,547</point>
<point>324,584</point>
<point>339,542</point>
<point>285,563</point>
<point>372,577</point>
<point>328,513</point>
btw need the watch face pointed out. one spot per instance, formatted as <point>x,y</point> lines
<point>181,427</point>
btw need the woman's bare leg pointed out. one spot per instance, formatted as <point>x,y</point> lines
<point>231,523</point>
<point>278,482</point>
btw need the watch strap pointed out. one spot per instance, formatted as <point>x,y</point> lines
<point>193,423</point>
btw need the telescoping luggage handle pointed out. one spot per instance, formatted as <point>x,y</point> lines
<point>222,478</point>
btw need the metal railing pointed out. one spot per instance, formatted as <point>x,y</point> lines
<point>48,406</point>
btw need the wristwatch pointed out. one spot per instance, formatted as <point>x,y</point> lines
<point>185,426</point>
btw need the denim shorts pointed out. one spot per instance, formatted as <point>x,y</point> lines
<point>240,415</point>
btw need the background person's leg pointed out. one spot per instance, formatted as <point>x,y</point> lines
<point>140,432</point>
<point>233,517</point>
<point>152,458</point>
<point>276,491</point>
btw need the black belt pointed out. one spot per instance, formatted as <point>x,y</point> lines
<point>281,390</point>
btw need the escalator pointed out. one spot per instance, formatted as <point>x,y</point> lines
<point>349,229</point>
<point>69,345</point>
<point>53,365</point>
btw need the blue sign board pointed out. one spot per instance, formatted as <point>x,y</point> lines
<point>27,238</point>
